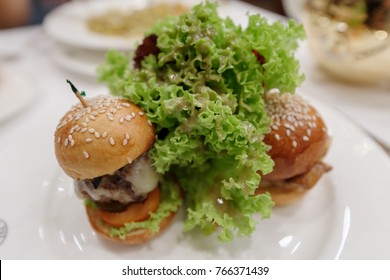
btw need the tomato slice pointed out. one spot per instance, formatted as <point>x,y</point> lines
<point>135,212</point>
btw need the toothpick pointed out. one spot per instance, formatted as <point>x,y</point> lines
<point>78,94</point>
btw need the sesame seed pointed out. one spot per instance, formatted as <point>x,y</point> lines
<point>88,140</point>
<point>102,111</point>
<point>59,140</point>
<point>70,137</point>
<point>126,105</point>
<point>83,130</point>
<point>91,130</point>
<point>72,142</point>
<point>149,122</point>
<point>127,136</point>
<point>88,110</point>
<point>92,117</point>
<point>141,113</point>
<point>86,155</point>
<point>66,142</point>
<point>294,143</point>
<point>128,118</point>
<point>122,120</point>
<point>110,117</point>
<point>124,143</point>
<point>129,160</point>
<point>277,136</point>
<point>97,135</point>
<point>305,138</point>
<point>87,120</point>
<point>288,132</point>
<point>104,134</point>
<point>133,114</point>
<point>84,124</point>
<point>112,141</point>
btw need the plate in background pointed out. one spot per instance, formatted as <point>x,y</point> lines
<point>79,61</point>
<point>16,92</point>
<point>294,8</point>
<point>67,24</point>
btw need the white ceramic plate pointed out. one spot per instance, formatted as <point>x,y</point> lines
<point>67,23</point>
<point>344,217</point>
<point>16,92</point>
<point>79,61</point>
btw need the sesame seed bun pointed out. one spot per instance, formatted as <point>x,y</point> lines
<point>298,140</point>
<point>101,138</point>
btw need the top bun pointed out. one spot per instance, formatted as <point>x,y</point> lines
<point>101,138</point>
<point>298,135</point>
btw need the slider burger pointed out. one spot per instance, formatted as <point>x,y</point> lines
<point>103,145</point>
<point>298,141</point>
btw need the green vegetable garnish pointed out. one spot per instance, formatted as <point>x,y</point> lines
<point>204,92</point>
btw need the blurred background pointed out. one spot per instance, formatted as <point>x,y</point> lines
<point>275,6</point>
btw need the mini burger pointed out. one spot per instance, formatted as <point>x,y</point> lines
<point>298,140</point>
<point>103,145</point>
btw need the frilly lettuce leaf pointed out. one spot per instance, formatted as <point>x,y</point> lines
<point>204,92</point>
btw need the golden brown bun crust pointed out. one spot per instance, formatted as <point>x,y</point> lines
<point>288,191</point>
<point>134,237</point>
<point>298,136</point>
<point>100,139</point>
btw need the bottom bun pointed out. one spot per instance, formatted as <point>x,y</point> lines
<point>134,237</point>
<point>288,191</point>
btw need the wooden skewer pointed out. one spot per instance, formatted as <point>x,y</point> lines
<point>78,94</point>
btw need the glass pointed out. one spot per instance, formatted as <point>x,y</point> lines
<point>350,38</point>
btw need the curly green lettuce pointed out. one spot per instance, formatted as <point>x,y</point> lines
<point>204,92</point>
